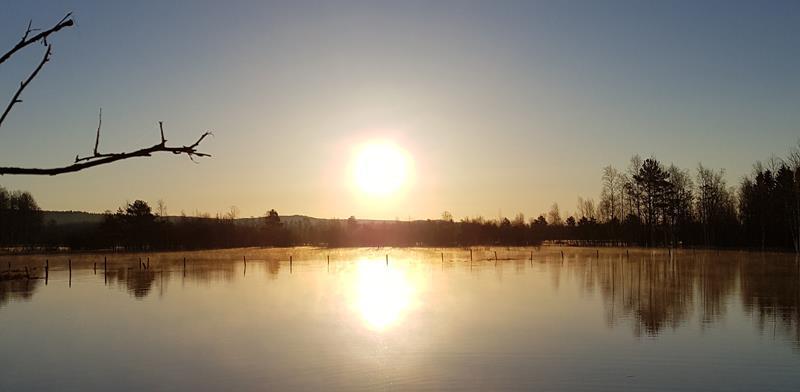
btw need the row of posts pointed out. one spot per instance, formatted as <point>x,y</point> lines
<point>145,264</point>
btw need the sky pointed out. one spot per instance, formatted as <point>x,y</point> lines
<point>501,106</point>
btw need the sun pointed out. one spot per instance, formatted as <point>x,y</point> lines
<point>380,168</point>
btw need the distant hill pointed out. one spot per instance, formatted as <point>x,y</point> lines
<point>289,220</point>
<point>79,217</point>
<point>71,217</point>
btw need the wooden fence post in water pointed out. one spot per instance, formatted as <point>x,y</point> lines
<point>470,259</point>
<point>387,260</point>
<point>495,257</point>
<point>562,255</point>
<point>94,268</point>
<point>329,260</point>
<point>46,271</point>
<point>598,253</point>
<point>148,263</point>
<point>442,257</point>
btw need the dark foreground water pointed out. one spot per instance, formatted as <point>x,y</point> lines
<point>428,320</point>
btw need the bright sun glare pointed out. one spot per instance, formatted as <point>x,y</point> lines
<point>380,168</point>
<point>382,295</point>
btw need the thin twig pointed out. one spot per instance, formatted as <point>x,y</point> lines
<point>99,124</point>
<point>15,99</point>
<point>66,21</point>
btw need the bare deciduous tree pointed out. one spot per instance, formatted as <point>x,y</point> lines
<point>554,216</point>
<point>714,200</point>
<point>232,213</point>
<point>161,207</point>
<point>586,208</point>
<point>611,194</point>
<point>97,158</point>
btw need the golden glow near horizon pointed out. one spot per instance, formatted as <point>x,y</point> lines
<point>382,295</point>
<point>380,169</point>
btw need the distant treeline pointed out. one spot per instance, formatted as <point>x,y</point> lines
<point>20,218</point>
<point>648,204</point>
<point>653,205</point>
<point>136,227</point>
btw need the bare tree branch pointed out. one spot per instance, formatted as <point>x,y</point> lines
<point>175,150</point>
<point>161,127</point>
<point>66,21</point>
<point>15,99</point>
<point>101,159</point>
<point>97,158</point>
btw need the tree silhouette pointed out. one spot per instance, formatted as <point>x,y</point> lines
<point>652,181</point>
<point>769,206</point>
<point>20,218</point>
<point>554,216</point>
<point>272,218</point>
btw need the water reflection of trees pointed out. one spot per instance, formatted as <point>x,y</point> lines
<point>773,303</point>
<point>659,291</point>
<point>137,281</point>
<point>208,272</point>
<point>17,289</point>
<point>141,281</point>
<point>656,293</point>
<point>273,268</point>
<point>137,275</point>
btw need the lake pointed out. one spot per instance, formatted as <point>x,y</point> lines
<point>403,319</point>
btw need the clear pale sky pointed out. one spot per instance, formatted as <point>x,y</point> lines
<point>504,106</point>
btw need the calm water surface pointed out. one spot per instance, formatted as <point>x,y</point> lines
<point>429,320</point>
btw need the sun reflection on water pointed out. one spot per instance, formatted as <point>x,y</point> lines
<point>381,295</point>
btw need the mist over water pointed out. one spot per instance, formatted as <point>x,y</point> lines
<point>403,319</point>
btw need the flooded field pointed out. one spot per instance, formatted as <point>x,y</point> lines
<point>573,319</point>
